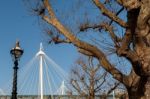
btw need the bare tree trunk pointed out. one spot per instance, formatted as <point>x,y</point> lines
<point>91,90</point>
<point>143,91</point>
<point>92,96</point>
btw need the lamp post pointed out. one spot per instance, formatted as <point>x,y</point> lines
<point>16,53</point>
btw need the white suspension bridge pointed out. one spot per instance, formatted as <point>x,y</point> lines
<point>41,76</point>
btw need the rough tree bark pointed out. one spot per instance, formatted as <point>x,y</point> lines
<point>134,45</point>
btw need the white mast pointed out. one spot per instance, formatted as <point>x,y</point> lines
<point>63,88</point>
<point>41,54</point>
<point>41,76</point>
<point>113,94</point>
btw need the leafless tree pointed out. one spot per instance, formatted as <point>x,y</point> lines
<point>89,79</point>
<point>131,18</point>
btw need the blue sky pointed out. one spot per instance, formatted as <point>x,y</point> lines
<point>16,23</point>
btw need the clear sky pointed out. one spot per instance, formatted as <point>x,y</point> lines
<point>16,23</point>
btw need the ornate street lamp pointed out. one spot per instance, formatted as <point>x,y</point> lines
<point>16,53</point>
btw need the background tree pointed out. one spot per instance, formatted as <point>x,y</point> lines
<point>89,79</point>
<point>131,18</point>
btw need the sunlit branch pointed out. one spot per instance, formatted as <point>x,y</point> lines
<point>58,40</point>
<point>124,50</point>
<point>117,14</point>
<point>104,26</point>
<point>48,7</point>
<point>129,4</point>
<point>132,79</point>
<point>120,2</point>
<point>109,14</point>
<point>85,52</point>
<point>86,46</point>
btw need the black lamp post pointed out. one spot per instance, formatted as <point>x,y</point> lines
<point>16,53</point>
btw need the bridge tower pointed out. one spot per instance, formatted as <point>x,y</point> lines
<point>41,54</point>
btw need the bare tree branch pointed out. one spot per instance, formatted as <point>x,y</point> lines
<point>129,4</point>
<point>113,88</point>
<point>98,88</point>
<point>109,14</point>
<point>77,87</point>
<point>57,40</point>
<point>50,10</point>
<point>104,26</point>
<point>134,46</point>
<point>117,14</point>
<point>86,46</point>
<point>88,77</point>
